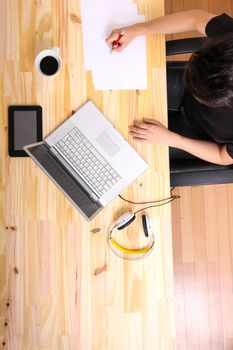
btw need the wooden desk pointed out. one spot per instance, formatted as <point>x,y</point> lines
<point>61,287</point>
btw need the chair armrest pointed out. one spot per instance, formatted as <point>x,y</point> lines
<point>191,172</point>
<point>201,178</point>
<point>182,46</point>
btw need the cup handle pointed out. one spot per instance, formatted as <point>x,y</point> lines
<point>56,49</point>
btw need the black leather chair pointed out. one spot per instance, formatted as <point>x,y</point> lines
<point>185,169</point>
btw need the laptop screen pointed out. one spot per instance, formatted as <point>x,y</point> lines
<point>63,179</point>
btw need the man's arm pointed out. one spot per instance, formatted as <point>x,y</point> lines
<point>179,22</point>
<point>209,151</point>
<point>152,131</point>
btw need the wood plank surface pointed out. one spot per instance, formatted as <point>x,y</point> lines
<point>60,286</point>
<point>202,244</point>
<point>203,278</point>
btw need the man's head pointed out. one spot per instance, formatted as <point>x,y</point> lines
<point>209,72</point>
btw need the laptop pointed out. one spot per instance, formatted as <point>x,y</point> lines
<point>88,159</point>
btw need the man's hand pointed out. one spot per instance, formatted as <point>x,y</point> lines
<point>130,33</point>
<point>152,131</point>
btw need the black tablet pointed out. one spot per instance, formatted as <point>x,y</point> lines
<point>24,128</point>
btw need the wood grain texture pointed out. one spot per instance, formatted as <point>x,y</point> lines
<point>61,288</point>
<point>202,244</point>
<point>203,283</point>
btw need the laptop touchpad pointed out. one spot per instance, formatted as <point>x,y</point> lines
<point>110,145</point>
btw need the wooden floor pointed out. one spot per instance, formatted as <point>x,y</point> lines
<point>203,267</point>
<point>203,248</point>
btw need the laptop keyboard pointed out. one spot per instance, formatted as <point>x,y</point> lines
<point>88,161</point>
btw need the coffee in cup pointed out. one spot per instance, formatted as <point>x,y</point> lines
<point>48,62</point>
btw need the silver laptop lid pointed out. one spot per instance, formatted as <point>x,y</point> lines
<point>106,142</point>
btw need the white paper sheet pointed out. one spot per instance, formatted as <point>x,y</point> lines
<point>112,70</point>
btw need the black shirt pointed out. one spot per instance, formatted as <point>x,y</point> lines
<point>215,124</point>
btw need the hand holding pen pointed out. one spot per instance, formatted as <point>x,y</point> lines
<point>120,38</point>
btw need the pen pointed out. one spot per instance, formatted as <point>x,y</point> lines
<point>115,43</point>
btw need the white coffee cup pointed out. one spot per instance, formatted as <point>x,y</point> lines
<point>48,62</point>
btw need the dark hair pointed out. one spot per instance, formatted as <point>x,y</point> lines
<point>209,72</point>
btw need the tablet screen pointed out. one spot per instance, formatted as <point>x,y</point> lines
<point>25,128</point>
